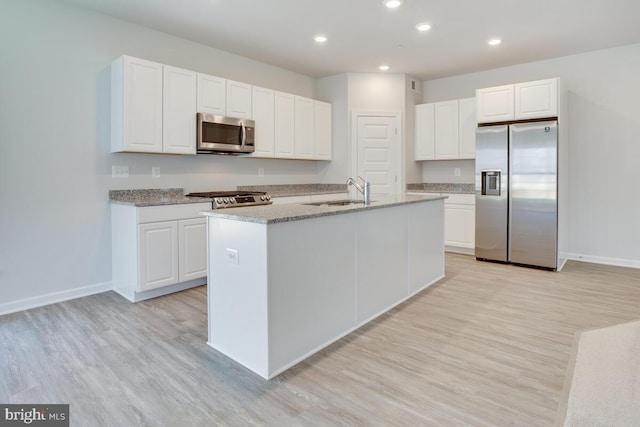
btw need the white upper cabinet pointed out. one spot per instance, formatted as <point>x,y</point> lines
<point>154,107</point>
<point>537,99</point>
<point>136,105</point>
<point>322,125</point>
<point>521,101</point>
<point>304,133</point>
<point>446,130</point>
<point>263,108</point>
<point>238,100</point>
<point>284,125</point>
<point>179,111</point>
<point>467,128</point>
<point>495,104</point>
<point>212,95</point>
<point>425,132</point>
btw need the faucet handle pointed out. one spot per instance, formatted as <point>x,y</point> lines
<point>363,180</point>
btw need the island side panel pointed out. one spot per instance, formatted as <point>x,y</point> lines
<point>311,286</point>
<point>425,244</point>
<point>237,291</point>
<point>381,261</point>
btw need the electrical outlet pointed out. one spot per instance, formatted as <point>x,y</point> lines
<point>456,171</point>
<point>260,171</point>
<point>120,171</point>
<point>155,172</point>
<point>233,257</point>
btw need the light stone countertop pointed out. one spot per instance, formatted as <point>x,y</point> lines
<point>153,197</point>
<point>430,187</point>
<point>289,190</point>
<point>270,214</point>
<point>175,196</point>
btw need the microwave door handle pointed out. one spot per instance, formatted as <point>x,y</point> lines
<point>243,135</point>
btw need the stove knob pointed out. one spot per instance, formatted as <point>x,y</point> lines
<point>232,201</point>
<point>268,197</point>
<point>219,201</point>
<point>226,200</point>
<point>262,198</point>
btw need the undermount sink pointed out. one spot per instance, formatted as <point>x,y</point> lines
<point>336,203</point>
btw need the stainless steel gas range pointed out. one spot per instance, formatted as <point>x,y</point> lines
<point>233,199</point>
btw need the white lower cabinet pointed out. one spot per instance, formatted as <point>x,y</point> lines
<point>459,222</point>
<point>158,254</point>
<point>158,250</point>
<point>192,248</point>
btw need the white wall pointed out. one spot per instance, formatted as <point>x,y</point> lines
<point>373,92</point>
<point>444,171</point>
<point>55,164</point>
<point>334,89</point>
<point>413,169</point>
<point>604,153</point>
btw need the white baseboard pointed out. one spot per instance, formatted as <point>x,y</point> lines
<point>619,262</point>
<point>40,300</point>
<point>459,250</point>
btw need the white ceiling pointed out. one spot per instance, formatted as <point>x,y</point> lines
<point>364,34</point>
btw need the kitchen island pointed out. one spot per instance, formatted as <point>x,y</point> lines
<point>284,281</point>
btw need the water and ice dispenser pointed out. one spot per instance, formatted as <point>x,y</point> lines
<point>491,182</point>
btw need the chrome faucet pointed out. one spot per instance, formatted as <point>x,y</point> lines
<point>365,188</point>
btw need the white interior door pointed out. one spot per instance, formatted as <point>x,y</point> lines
<point>378,142</point>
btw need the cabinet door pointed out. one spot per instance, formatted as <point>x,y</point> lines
<point>534,100</point>
<point>264,116</point>
<point>138,117</point>
<point>192,248</point>
<point>283,125</point>
<point>446,130</point>
<point>322,125</point>
<point>179,111</point>
<point>425,132</point>
<point>157,254</point>
<point>238,100</point>
<point>467,128</point>
<point>459,225</point>
<point>212,95</point>
<point>495,104</point>
<point>303,129</point>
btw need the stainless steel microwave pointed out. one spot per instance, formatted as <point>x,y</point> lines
<point>224,135</point>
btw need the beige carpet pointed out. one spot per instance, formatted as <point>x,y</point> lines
<point>603,381</point>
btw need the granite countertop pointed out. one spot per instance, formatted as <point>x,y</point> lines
<point>288,190</point>
<point>153,197</point>
<point>427,187</point>
<point>293,212</point>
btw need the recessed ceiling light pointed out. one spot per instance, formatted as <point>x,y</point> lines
<point>320,38</point>
<point>494,42</point>
<point>423,27</point>
<point>383,67</point>
<point>392,4</point>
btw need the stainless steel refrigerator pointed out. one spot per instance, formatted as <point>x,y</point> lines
<point>517,193</point>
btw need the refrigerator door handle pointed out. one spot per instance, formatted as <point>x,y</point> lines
<point>509,193</point>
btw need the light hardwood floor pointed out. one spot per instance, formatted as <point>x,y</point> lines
<point>487,346</point>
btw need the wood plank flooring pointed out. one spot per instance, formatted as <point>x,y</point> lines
<point>487,346</point>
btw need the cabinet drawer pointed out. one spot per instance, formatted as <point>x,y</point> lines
<point>171,212</point>
<point>460,199</point>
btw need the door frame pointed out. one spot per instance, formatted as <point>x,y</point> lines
<point>399,151</point>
